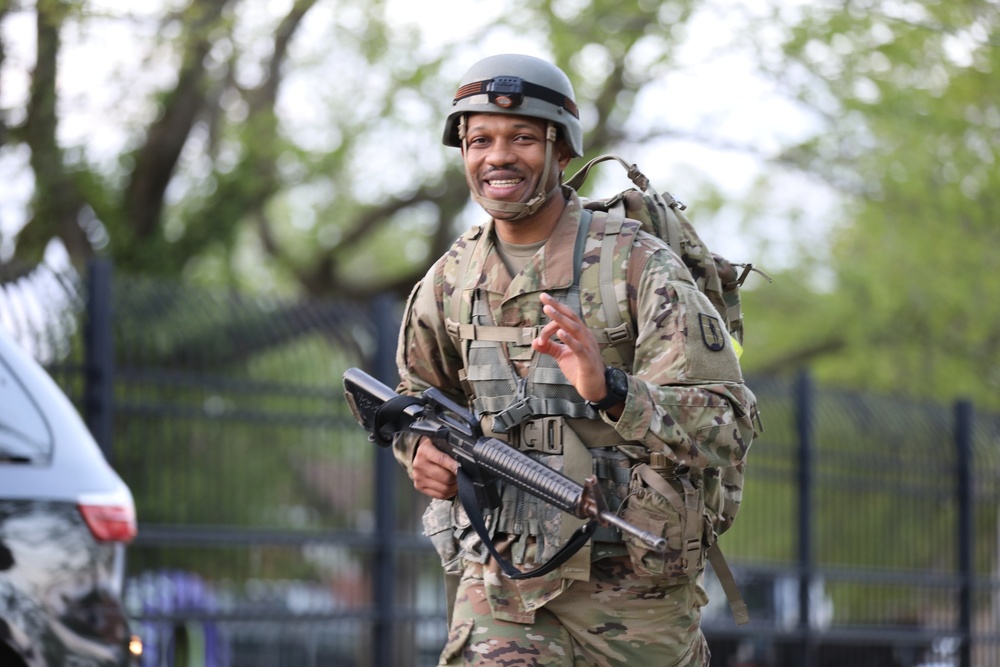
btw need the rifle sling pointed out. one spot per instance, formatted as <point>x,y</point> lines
<point>386,417</point>
<point>467,496</point>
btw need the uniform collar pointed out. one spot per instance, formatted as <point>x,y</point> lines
<point>552,267</point>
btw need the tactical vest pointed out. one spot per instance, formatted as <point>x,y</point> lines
<point>544,415</point>
<point>541,414</point>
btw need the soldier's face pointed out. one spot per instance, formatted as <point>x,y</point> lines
<point>506,156</point>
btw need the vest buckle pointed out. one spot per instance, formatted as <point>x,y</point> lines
<point>542,435</point>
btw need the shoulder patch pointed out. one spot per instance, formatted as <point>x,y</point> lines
<point>712,333</point>
<point>709,356</point>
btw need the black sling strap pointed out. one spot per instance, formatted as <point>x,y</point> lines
<point>467,495</point>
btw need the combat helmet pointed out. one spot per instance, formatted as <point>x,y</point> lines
<point>518,85</point>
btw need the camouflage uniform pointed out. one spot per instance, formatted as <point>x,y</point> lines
<point>687,407</point>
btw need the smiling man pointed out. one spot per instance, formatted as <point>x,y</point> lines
<point>510,322</point>
<point>509,163</point>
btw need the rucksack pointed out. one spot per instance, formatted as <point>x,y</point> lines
<point>663,216</point>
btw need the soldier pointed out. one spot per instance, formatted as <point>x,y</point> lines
<point>509,321</point>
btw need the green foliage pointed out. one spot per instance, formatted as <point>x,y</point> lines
<point>911,138</point>
<point>310,165</point>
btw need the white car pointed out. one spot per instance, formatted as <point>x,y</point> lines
<point>65,518</point>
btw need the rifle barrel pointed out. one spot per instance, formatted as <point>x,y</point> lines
<point>653,541</point>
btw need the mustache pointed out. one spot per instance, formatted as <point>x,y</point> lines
<point>507,170</point>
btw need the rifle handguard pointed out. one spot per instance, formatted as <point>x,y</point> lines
<point>382,412</point>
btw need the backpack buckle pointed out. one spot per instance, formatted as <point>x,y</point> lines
<point>619,334</point>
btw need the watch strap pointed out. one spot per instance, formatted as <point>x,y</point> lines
<point>612,399</point>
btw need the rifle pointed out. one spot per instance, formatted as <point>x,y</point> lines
<point>483,461</point>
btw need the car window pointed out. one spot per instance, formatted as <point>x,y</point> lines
<point>25,435</point>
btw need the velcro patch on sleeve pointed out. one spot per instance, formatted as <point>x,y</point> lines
<point>707,345</point>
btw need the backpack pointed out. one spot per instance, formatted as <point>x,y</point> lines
<point>663,216</point>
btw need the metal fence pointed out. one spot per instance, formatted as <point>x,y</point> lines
<point>272,533</point>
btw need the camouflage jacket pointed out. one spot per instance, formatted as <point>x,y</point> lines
<point>686,396</point>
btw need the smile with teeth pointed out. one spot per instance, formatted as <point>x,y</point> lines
<point>505,183</point>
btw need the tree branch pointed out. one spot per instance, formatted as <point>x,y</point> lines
<point>157,158</point>
<point>57,201</point>
<point>800,358</point>
<point>267,92</point>
<point>321,279</point>
<point>246,189</point>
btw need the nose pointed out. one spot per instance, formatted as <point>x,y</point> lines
<point>500,154</point>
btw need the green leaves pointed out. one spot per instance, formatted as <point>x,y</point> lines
<point>298,151</point>
<point>916,139</point>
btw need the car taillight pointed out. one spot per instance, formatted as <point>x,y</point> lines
<point>109,519</point>
<point>135,646</point>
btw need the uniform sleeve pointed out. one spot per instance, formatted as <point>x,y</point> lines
<point>425,355</point>
<point>687,398</point>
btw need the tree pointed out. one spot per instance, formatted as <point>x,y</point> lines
<point>911,140</point>
<point>298,151</point>
<point>227,166</point>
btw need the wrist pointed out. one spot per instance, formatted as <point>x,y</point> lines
<point>616,382</point>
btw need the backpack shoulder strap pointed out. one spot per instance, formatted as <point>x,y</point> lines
<point>586,218</point>
<point>672,216</point>
<point>464,259</point>
<point>614,326</point>
<point>612,226</point>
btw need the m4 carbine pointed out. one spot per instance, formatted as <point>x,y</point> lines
<point>482,461</point>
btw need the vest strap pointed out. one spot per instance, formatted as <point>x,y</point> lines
<point>495,334</point>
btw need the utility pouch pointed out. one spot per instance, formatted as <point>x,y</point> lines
<point>671,507</point>
<point>437,521</point>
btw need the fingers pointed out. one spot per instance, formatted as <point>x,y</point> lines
<point>577,352</point>
<point>434,471</point>
<point>561,314</point>
<point>569,327</point>
<point>565,325</point>
<point>543,342</point>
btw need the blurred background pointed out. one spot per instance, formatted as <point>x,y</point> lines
<point>210,208</point>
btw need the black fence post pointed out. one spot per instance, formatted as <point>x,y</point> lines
<point>384,368</point>
<point>966,506</point>
<point>804,429</point>
<point>99,357</point>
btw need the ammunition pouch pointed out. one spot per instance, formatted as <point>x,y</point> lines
<point>668,502</point>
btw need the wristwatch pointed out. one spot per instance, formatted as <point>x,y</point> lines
<point>616,380</point>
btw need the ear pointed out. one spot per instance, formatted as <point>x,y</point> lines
<point>564,153</point>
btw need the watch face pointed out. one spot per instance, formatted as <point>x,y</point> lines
<point>617,381</point>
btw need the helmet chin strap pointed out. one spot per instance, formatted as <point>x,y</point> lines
<point>520,209</point>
